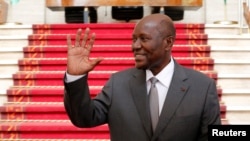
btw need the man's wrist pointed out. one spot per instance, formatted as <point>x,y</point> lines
<point>70,78</point>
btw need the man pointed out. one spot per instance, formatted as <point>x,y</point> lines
<point>188,101</point>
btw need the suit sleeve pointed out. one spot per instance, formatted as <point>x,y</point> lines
<point>82,110</point>
<point>211,112</point>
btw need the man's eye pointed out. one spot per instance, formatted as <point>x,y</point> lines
<point>134,39</point>
<point>144,38</point>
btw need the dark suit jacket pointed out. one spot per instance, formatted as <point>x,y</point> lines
<point>190,106</point>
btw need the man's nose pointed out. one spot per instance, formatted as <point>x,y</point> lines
<point>137,44</point>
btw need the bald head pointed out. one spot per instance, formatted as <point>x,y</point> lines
<point>161,22</point>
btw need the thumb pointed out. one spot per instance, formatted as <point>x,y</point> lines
<point>96,61</point>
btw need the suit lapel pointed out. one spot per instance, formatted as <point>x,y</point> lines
<point>139,94</point>
<point>176,92</point>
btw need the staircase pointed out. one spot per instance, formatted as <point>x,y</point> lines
<point>33,74</point>
<point>12,39</point>
<point>231,51</point>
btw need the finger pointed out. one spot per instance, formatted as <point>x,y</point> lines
<point>78,37</point>
<point>85,37</point>
<point>69,43</point>
<point>91,42</point>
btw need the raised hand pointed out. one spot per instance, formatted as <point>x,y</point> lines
<point>78,61</point>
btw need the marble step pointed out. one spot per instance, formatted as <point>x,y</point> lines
<point>230,52</point>
<point>3,96</point>
<point>236,97</point>
<point>12,29</point>
<point>233,65</point>
<point>238,114</point>
<point>234,81</point>
<point>232,40</point>
<point>222,29</point>
<point>13,41</point>
<point>11,52</point>
<point>8,66</point>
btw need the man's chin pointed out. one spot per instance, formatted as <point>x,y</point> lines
<point>140,66</point>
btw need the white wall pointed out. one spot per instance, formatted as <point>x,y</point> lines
<point>35,11</point>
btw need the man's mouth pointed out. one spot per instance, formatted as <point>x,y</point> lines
<point>139,56</point>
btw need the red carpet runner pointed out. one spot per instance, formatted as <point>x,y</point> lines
<point>35,110</point>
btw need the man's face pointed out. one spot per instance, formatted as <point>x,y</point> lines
<point>148,46</point>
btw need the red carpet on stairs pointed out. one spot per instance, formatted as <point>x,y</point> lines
<point>111,39</point>
<point>35,101</point>
<point>54,78</point>
<point>114,63</point>
<point>47,51</point>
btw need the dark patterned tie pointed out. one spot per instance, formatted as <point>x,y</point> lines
<point>154,103</point>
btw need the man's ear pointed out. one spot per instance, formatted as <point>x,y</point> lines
<point>169,42</point>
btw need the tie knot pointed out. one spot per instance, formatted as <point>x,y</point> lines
<point>153,80</point>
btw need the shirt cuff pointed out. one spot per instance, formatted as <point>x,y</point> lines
<point>70,78</point>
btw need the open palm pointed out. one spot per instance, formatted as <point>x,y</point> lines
<point>78,61</point>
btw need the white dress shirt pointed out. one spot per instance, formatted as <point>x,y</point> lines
<point>70,78</point>
<point>164,80</point>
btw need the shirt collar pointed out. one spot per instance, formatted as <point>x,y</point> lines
<point>165,76</point>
